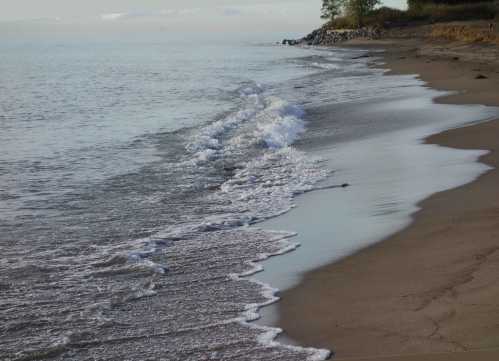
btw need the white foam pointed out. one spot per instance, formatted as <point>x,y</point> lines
<point>267,334</point>
<point>266,120</point>
<point>327,66</point>
<point>261,186</point>
<point>281,124</point>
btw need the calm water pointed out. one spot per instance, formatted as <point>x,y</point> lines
<point>130,171</point>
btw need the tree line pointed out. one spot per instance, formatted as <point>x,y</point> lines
<point>355,10</point>
<point>416,3</point>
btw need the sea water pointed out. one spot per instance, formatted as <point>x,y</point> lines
<point>130,171</point>
<point>133,172</point>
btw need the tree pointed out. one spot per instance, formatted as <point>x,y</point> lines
<point>356,10</point>
<point>418,4</point>
<point>332,8</point>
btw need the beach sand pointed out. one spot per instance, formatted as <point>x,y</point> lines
<point>431,291</point>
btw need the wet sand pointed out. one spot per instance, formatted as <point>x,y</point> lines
<point>431,291</point>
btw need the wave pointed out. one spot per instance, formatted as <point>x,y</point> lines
<point>255,142</point>
<point>187,283</point>
<point>267,120</point>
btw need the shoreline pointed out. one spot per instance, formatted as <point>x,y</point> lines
<point>441,299</point>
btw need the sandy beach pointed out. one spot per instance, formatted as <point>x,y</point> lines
<point>431,291</point>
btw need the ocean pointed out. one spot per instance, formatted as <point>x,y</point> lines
<point>134,173</point>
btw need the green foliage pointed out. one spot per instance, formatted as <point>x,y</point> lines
<point>357,10</point>
<point>358,13</point>
<point>354,10</point>
<point>483,10</point>
<point>332,8</point>
<point>420,3</point>
<point>341,22</point>
<point>385,16</point>
<point>416,5</point>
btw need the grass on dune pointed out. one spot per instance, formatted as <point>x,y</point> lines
<point>464,33</point>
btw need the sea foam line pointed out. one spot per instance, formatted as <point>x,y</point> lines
<point>276,124</point>
<point>251,314</point>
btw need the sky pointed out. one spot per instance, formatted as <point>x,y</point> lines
<point>196,15</point>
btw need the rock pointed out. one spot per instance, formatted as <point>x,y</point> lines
<point>326,37</point>
<point>290,42</point>
<point>230,169</point>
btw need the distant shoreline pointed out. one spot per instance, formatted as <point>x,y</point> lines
<point>431,289</point>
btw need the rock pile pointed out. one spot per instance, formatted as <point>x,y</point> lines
<point>326,37</point>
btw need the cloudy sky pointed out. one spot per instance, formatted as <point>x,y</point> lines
<point>175,14</point>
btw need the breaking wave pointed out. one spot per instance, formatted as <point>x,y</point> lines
<point>185,285</point>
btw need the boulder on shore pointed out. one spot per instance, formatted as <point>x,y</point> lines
<point>325,37</point>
